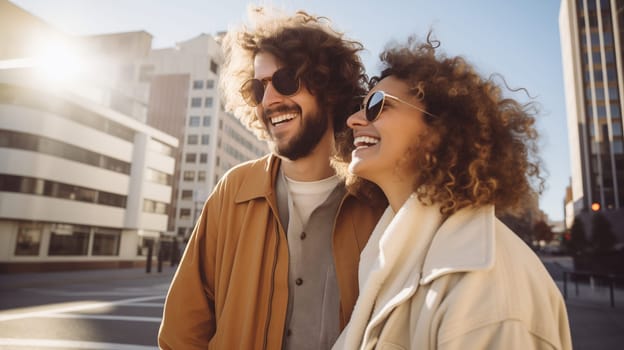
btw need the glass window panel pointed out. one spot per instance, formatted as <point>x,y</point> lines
<point>189,175</point>
<point>68,240</point>
<point>194,121</point>
<point>206,121</point>
<point>106,242</point>
<point>28,240</point>
<point>196,102</point>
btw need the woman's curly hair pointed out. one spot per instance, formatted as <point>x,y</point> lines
<point>482,146</point>
<point>327,63</point>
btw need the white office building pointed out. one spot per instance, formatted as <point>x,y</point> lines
<point>84,182</point>
<point>184,101</point>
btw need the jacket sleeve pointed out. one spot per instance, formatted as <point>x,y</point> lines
<point>189,314</point>
<point>508,334</point>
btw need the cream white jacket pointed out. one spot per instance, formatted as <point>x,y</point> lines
<point>466,283</point>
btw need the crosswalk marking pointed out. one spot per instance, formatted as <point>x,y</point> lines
<point>106,317</point>
<point>73,308</point>
<point>12,343</point>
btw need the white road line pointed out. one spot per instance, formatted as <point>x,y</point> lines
<point>145,304</point>
<point>106,317</point>
<point>74,308</point>
<point>11,343</point>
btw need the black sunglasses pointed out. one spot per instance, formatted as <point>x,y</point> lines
<point>284,81</point>
<point>376,101</point>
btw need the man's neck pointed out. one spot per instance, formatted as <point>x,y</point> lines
<point>313,167</point>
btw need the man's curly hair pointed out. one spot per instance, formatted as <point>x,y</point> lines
<point>327,63</point>
<point>480,149</point>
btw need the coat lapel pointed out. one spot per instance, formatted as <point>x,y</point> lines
<point>390,265</point>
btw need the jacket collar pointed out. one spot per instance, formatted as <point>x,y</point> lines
<point>259,180</point>
<point>414,247</point>
<point>464,242</point>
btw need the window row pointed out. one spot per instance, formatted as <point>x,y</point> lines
<point>601,111</point>
<point>160,147</point>
<point>197,101</point>
<point>158,177</point>
<point>152,206</point>
<point>193,139</point>
<point>195,120</point>
<point>199,84</point>
<point>47,188</point>
<point>41,144</point>
<point>243,141</point>
<point>67,240</point>
<point>192,158</point>
<point>189,175</point>
<point>29,98</point>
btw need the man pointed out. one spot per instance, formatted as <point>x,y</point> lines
<point>272,262</point>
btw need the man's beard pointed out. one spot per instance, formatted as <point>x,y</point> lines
<point>312,130</point>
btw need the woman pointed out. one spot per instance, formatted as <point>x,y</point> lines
<point>440,271</point>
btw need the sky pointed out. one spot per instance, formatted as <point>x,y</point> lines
<point>516,39</point>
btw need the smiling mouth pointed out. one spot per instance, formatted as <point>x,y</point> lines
<point>364,141</point>
<point>283,118</point>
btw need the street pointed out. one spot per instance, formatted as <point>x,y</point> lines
<point>121,310</point>
<point>111,309</point>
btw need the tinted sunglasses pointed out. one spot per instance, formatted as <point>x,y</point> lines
<point>284,81</point>
<point>376,102</point>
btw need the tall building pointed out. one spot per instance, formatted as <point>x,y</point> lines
<point>84,182</point>
<point>184,101</point>
<point>592,45</point>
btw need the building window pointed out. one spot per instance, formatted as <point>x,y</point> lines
<point>198,84</point>
<point>160,147</point>
<point>158,177</point>
<point>182,231</point>
<point>214,67</point>
<point>69,240</point>
<point>151,206</point>
<point>192,139</point>
<point>194,121</point>
<point>209,84</point>
<point>106,242</point>
<point>208,102</point>
<point>185,213</point>
<point>12,183</point>
<point>206,121</point>
<point>201,176</point>
<point>191,157</point>
<point>196,102</point>
<point>203,158</point>
<point>189,175</point>
<point>28,240</point>
<point>111,199</point>
<point>187,195</point>
<point>205,139</point>
<point>44,145</point>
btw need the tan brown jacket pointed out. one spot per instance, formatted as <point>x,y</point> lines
<point>231,288</point>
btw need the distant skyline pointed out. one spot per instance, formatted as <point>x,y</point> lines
<point>518,40</point>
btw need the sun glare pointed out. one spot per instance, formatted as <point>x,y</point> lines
<point>59,62</point>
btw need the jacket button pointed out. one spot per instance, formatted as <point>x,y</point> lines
<point>303,235</point>
<point>298,281</point>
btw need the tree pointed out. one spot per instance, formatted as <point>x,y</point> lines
<point>602,239</point>
<point>542,231</point>
<point>577,242</point>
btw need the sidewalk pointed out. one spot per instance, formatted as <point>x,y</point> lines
<point>594,324</point>
<point>45,279</point>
